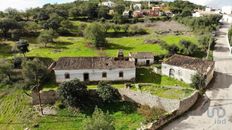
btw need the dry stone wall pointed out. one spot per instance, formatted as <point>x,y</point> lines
<point>47,97</point>
<point>145,98</point>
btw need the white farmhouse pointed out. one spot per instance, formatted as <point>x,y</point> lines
<point>90,69</point>
<point>184,68</point>
<point>142,58</point>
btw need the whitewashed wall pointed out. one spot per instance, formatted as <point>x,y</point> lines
<point>143,61</point>
<point>180,73</point>
<point>96,74</point>
<point>227,18</point>
<point>185,75</point>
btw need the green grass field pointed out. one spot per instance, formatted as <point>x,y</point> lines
<point>162,86</point>
<point>77,46</point>
<point>17,114</point>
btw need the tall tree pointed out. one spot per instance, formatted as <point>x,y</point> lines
<point>35,74</point>
<point>8,24</point>
<point>96,33</point>
<point>47,36</point>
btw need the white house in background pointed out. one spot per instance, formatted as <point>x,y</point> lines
<point>109,4</point>
<point>227,18</point>
<point>208,9</point>
<point>91,69</point>
<point>227,10</point>
<point>184,68</point>
<point>142,58</point>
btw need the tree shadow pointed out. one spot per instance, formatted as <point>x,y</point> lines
<point>114,46</point>
<point>5,49</point>
<point>199,54</point>
<point>59,45</point>
<point>122,34</point>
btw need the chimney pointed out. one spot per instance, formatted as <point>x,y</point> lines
<point>120,54</point>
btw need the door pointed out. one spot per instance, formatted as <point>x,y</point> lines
<point>136,61</point>
<point>86,77</point>
<point>147,62</point>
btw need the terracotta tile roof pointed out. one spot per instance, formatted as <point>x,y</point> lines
<point>142,55</point>
<point>202,66</point>
<point>77,63</point>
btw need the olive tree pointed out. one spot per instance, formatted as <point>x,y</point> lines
<point>35,74</point>
<point>73,92</point>
<point>96,34</point>
<point>22,46</point>
<point>6,68</point>
<point>47,36</point>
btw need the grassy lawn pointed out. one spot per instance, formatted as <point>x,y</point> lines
<point>162,86</point>
<point>17,113</point>
<point>169,93</point>
<point>77,46</point>
<point>144,75</point>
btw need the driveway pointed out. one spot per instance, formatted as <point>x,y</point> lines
<point>214,110</point>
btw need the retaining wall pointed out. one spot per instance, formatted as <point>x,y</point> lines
<point>47,97</point>
<point>174,107</point>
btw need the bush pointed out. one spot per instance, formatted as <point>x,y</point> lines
<point>73,92</point>
<point>99,121</point>
<point>151,114</point>
<point>198,81</point>
<point>135,29</point>
<point>107,92</point>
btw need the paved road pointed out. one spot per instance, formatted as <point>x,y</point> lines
<point>217,98</point>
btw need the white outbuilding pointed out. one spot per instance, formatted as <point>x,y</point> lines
<point>142,58</point>
<point>227,18</point>
<point>91,69</point>
<point>183,68</point>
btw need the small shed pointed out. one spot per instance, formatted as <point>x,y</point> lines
<point>142,58</point>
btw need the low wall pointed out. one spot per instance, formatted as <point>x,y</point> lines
<point>184,106</point>
<point>145,98</point>
<point>47,97</point>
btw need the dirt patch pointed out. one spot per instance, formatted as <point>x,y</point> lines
<point>168,26</point>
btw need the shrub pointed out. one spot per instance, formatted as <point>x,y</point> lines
<point>99,121</point>
<point>107,92</point>
<point>73,92</point>
<point>151,114</point>
<point>137,30</point>
<point>198,81</point>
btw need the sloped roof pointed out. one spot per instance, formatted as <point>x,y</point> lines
<point>192,63</point>
<point>142,55</point>
<point>77,63</point>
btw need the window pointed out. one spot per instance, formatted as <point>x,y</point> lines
<point>104,75</point>
<point>121,74</point>
<point>67,76</point>
<point>171,72</point>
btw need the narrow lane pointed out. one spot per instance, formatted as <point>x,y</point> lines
<point>214,112</point>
